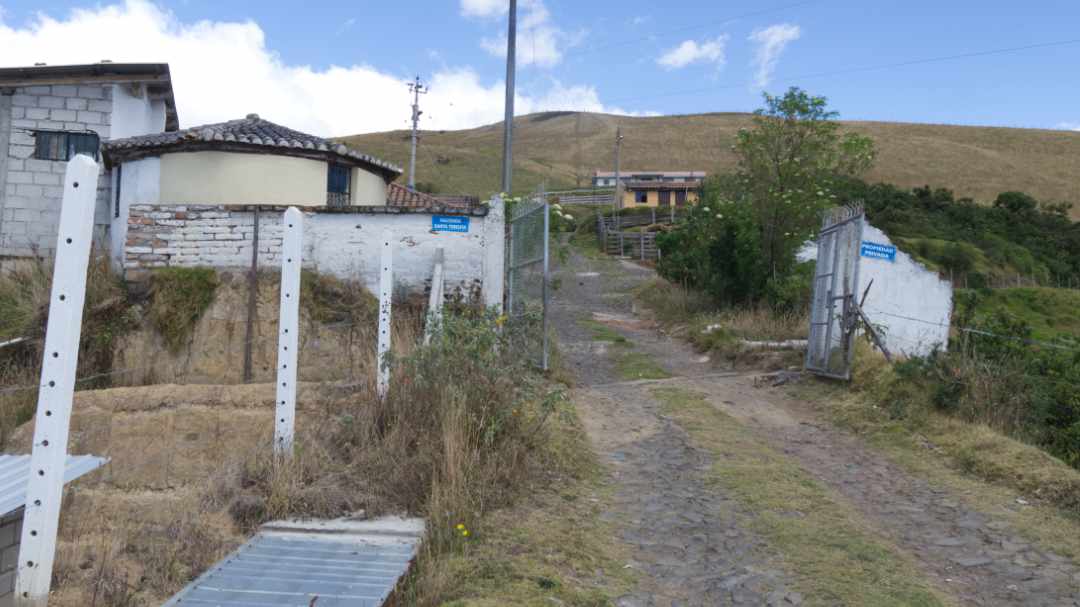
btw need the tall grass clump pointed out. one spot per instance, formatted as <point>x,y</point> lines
<point>24,311</point>
<point>178,299</point>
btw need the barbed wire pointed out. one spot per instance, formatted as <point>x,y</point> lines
<point>116,372</point>
<point>983,332</point>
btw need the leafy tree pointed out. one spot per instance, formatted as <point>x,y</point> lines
<point>788,161</point>
<point>739,243</point>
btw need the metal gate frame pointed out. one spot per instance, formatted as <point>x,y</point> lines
<point>525,212</point>
<point>836,281</point>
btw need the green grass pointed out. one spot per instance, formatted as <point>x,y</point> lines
<point>602,332</point>
<point>835,555</point>
<point>638,365</point>
<point>1051,313</point>
<point>178,299</point>
<point>563,148</point>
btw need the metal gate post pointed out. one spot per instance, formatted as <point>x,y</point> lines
<point>292,247</point>
<point>547,277</point>
<point>45,489</point>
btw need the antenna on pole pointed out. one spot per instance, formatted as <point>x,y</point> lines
<point>417,88</point>
<point>508,120</point>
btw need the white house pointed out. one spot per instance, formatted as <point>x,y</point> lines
<point>50,113</point>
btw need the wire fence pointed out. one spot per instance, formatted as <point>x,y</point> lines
<point>528,273</point>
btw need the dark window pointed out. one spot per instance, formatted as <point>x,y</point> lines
<point>58,145</point>
<point>337,185</point>
<point>680,197</point>
<point>119,180</point>
<point>641,197</point>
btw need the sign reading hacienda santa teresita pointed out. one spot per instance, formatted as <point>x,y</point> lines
<point>879,251</point>
<point>449,223</point>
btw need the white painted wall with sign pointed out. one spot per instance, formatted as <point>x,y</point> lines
<point>346,244</point>
<point>909,304</point>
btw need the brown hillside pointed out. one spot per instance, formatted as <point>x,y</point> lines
<point>565,147</point>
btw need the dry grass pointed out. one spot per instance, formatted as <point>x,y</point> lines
<point>564,148</point>
<point>693,316</point>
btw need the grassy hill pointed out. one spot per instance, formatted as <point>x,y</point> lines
<point>565,147</point>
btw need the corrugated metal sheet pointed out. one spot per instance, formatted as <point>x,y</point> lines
<point>15,472</point>
<point>325,564</point>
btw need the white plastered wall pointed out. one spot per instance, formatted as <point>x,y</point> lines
<point>139,183</point>
<point>912,305</point>
<point>211,177</point>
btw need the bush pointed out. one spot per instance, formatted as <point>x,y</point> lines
<point>178,299</point>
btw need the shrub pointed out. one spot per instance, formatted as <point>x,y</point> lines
<point>178,299</point>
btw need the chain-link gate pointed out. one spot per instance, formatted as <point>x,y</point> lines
<point>836,281</point>
<point>528,269</point>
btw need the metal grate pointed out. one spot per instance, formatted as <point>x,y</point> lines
<point>326,564</point>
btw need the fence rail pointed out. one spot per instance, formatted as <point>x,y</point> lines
<point>635,245</point>
<point>595,200</point>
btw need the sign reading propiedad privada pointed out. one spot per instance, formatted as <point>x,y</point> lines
<point>874,250</point>
<point>449,223</point>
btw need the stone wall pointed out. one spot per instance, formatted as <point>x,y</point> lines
<point>10,535</point>
<point>342,242</point>
<point>32,189</point>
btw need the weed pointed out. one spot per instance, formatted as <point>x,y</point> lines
<point>637,365</point>
<point>178,299</point>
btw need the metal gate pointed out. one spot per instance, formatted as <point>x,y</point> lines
<point>836,281</point>
<point>528,269</point>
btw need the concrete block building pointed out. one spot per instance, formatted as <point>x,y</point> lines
<point>48,114</point>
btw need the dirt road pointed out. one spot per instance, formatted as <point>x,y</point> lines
<point>699,541</point>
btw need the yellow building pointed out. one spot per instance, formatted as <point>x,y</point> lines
<point>662,194</point>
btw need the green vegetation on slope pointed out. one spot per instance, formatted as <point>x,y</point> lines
<point>564,148</point>
<point>1052,314</point>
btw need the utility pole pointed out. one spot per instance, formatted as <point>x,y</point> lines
<point>618,180</point>
<point>417,88</point>
<point>508,120</point>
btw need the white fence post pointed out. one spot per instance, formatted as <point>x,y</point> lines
<point>386,295</point>
<point>495,278</point>
<point>435,301</point>
<point>292,248</point>
<point>45,488</point>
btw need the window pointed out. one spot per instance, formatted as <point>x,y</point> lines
<point>337,185</point>
<point>680,197</point>
<point>641,197</point>
<point>58,145</point>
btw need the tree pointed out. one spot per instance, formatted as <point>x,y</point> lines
<point>788,161</point>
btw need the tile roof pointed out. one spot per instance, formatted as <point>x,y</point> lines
<point>398,195</point>
<point>15,472</point>
<point>340,563</point>
<point>250,132</point>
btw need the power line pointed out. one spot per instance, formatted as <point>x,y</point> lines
<point>869,68</point>
<point>698,26</point>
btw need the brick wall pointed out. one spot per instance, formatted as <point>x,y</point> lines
<point>33,189</point>
<point>191,235</point>
<point>10,534</point>
<point>342,242</point>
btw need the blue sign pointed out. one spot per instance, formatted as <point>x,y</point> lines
<point>879,251</point>
<point>449,223</point>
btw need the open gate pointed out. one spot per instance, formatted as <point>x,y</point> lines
<point>833,310</point>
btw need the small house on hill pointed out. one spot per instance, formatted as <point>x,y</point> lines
<point>653,188</point>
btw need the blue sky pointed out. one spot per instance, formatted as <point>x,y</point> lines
<point>339,67</point>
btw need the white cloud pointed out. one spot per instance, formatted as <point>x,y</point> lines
<point>539,41</point>
<point>224,70</point>
<point>1069,126</point>
<point>640,20</point>
<point>771,43</point>
<point>690,51</point>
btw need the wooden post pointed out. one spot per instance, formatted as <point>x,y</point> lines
<point>386,294</point>
<point>653,214</point>
<point>45,488</point>
<point>435,300</point>
<point>643,245</point>
<point>252,303</point>
<point>292,247</point>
